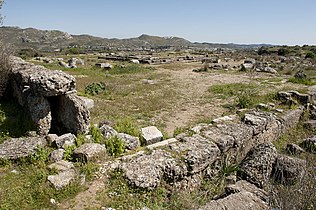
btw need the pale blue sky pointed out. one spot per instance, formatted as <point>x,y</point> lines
<point>290,22</point>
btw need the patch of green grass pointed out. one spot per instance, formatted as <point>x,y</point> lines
<point>308,82</point>
<point>127,125</point>
<point>89,169</point>
<point>28,188</point>
<point>224,91</point>
<point>69,151</point>
<point>295,135</point>
<point>129,69</point>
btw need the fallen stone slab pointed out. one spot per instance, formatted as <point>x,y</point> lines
<point>288,170</point>
<point>151,135</point>
<point>89,152</point>
<point>243,185</point>
<point>107,131</point>
<point>62,179</point>
<point>294,149</point>
<point>72,114</point>
<point>162,143</point>
<point>15,148</point>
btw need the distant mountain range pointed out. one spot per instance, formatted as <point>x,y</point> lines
<point>54,40</point>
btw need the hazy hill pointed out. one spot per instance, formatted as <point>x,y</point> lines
<point>49,40</point>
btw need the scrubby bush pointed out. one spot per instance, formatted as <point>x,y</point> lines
<point>115,146</point>
<point>127,125</point>
<point>96,134</point>
<point>95,88</point>
<point>310,55</point>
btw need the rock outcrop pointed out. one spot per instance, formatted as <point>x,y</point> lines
<point>50,98</point>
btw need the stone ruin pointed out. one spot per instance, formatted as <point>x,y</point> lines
<point>50,98</point>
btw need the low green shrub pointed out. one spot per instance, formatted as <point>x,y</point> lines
<point>115,146</point>
<point>96,134</point>
<point>95,88</point>
<point>69,151</point>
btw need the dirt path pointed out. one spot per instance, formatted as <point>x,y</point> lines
<point>193,105</point>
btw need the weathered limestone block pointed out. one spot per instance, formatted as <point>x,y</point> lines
<point>16,148</point>
<point>62,165</point>
<point>40,112</point>
<point>47,95</point>
<point>242,201</point>
<point>51,83</point>
<point>256,168</point>
<point>107,131</point>
<point>73,114</point>
<point>65,140</point>
<point>309,144</point>
<point>131,142</point>
<point>294,149</point>
<point>147,170</point>
<point>90,152</point>
<point>288,170</point>
<point>197,152</point>
<point>151,135</point>
<point>56,155</point>
<point>62,179</point>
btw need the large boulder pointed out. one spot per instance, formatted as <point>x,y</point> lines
<point>73,114</point>
<point>16,148</point>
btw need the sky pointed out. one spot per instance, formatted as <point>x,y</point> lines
<point>286,22</point>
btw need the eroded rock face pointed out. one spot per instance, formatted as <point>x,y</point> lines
<point>16,148</point>
<point>131,142</point>
<point>47,95</point>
